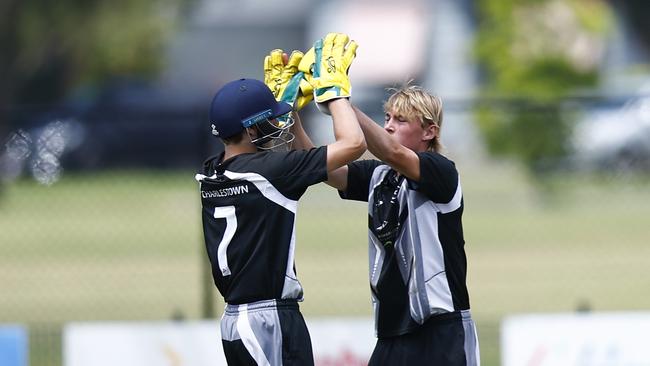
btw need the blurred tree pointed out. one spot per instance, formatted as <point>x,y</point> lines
<point>534,53</point>
<point>48,48</point>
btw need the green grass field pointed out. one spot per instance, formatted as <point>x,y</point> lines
<point>128,246</point>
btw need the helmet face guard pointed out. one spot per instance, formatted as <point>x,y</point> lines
<point>272,133</point>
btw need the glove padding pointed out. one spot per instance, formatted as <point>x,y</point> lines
<point>332,58</point>
<point>285,80</point>
<point>306,93</point>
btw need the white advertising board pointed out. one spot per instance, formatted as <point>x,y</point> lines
<point>336,342</point>
<point>342,341</point>
<point>137,344</point>
<point>593,339</point>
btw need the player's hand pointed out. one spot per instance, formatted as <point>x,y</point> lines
<point>281,75</point>
<point>332,57</point>
<point>306,93</point>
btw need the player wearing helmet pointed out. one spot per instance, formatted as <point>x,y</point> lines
<point>249,196</point>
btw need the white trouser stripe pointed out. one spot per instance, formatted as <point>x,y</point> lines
<point>477,352</point>
<point>248,337</point>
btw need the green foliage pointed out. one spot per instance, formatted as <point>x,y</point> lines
<point>49,48</point>
<point>534,51</point>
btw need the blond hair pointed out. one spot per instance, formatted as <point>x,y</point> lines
<point>414,103</point>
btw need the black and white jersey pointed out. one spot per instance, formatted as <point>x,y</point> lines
<point>249,204</point>
<point>416,247</point>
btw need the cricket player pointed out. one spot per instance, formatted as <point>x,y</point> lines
<point>250,193</point>
<point>417,259</point>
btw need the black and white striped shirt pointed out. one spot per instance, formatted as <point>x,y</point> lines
<point>417,259</point>
<point>249,205</point>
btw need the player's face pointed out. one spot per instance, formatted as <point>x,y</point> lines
<point>272,134</point>
<point>408,132</point>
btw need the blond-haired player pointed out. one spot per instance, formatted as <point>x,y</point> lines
<point>417,259</point>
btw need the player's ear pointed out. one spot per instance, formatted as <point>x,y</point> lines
<point>430,132</point>
<point>252,131</point>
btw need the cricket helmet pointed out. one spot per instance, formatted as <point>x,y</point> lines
<point>245,103</point>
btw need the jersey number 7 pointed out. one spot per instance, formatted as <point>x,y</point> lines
<point>228,213</point>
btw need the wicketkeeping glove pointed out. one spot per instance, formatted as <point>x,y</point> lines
<point>285,80</point>
<point>305,66</point>
<point>333,56</point>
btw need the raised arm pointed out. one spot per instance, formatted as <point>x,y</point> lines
<point>387,149</point>
<point>349,144</point>
<point>302,140</point>
<point>326,66</point>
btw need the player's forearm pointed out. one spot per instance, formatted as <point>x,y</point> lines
<point>379,142</point>
<point>338,178</point>
<point>350,143</point>
<point>388,149</point>
<point>346,126</point>
<point>302,140</point>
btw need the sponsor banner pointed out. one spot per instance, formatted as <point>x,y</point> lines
<point>336,342</point>
<point>13,345</point>
<point>612,339</point>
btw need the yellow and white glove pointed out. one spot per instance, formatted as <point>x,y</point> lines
<point>332,58</point>
<point>285,80</point>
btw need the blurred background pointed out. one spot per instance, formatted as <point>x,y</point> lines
<point>103,123</point>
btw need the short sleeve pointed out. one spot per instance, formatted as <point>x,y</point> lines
<point>296,170</point>
<point>359,175</point>
<point>438,177</point>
